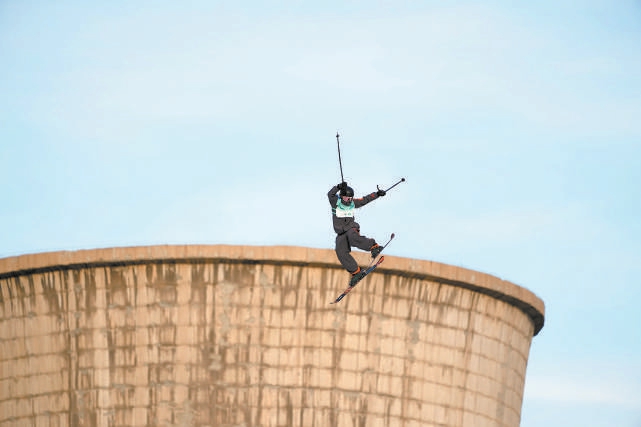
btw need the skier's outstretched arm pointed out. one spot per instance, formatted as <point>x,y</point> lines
<point>369,198</point>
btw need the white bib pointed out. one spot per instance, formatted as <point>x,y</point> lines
<point>345,211</point>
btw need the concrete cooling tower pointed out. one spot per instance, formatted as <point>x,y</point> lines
<point>241,336</point>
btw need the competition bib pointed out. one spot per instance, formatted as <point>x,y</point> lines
<point>345,211</point>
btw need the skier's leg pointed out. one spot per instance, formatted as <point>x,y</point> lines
<point>361,242</point>
<point>343,250</point>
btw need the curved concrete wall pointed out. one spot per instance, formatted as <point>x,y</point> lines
<point>245,336</point>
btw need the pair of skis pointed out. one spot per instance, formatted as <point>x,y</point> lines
<point>371,267</point>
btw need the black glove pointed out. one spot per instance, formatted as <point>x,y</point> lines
<point>381,193</point>
<point>342,186</point>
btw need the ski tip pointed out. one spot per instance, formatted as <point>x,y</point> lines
<point>392,236</point>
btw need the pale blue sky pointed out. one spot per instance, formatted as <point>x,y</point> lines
<point>516,126</point>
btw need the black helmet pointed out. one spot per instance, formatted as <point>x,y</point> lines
<point>347,191</point>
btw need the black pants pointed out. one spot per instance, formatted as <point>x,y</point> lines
<point>344,243</point>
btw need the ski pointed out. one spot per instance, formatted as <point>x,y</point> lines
<point>371,267</point>
<point>384,246</point>
<point>349,288</point>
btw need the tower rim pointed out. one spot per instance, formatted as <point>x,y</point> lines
<point>484,283</point>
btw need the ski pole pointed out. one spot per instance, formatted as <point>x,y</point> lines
<point>338,144</point>
<point>402,180</point>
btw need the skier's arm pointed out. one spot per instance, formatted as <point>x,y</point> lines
<point>331,195</point>
<point>370,197</point>
<point>365,199</point>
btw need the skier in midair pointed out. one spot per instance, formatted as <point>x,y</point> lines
<point>348,230</point>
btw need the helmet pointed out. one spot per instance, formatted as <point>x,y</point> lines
<point>347,192</point>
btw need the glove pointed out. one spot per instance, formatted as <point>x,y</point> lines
<point>381,193</point>
<point>342,186</point>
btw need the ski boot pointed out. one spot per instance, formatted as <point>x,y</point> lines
<point>356,276</point>
<point>375,250</point>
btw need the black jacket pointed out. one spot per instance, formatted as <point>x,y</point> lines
<point>341,222</point>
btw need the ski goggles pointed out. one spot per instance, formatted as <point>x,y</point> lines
<point>347,199</point>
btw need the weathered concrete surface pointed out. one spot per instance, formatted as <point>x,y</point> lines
<point>245,336</point>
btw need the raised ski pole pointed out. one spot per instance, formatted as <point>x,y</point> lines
<point>338,144</point>
<point>402,180</point>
